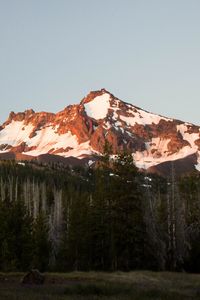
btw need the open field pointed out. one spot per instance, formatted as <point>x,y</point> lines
<point>141,285</point>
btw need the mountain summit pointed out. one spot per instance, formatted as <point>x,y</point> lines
<point>81,130</point>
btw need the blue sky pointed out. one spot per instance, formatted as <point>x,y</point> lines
<point>146,52</point>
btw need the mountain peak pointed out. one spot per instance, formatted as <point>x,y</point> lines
<point>81,130</point>
<point>97,104</point>
<point>93,94</point>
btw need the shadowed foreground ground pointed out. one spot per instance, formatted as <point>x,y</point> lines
<point>93,285</point>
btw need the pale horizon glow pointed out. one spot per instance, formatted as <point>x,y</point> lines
<point>53,53</point>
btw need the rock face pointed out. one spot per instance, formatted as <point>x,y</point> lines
<point>81,130</point>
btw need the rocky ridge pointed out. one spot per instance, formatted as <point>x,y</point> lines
<point>81,130</point>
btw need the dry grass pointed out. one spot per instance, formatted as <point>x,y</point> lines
<point>96,285</point>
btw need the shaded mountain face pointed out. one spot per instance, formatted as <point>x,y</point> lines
<point>81,130</point>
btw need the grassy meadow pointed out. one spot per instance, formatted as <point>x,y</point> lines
<point>141,285</point>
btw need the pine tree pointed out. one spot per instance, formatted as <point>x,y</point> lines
<point>42,245</point>
<point>16,236</point>
<point>127,227</point>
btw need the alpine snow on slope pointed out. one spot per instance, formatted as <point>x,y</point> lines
<point>81,130</point>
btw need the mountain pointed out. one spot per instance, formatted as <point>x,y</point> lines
<point>79,131</point>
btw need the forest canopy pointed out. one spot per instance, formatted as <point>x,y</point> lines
<point>111,217</point>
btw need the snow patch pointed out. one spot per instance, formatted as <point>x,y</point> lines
<point>47,139</point>
<point>197,166</point>
<point>190,137</point>
<point>15,133</point>
<point>90,162</point>
<point>98,108</point>
<point>141,117</point>
<point>21,163</point>
<point>148,159</point>
<point>80,151</point>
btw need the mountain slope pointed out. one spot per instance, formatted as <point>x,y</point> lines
<point>81,130</point>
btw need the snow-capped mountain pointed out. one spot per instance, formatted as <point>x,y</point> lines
<point>81,130</point>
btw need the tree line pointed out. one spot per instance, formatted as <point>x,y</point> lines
<point>111,217</point>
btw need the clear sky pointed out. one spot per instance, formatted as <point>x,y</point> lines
<point>146,52</point>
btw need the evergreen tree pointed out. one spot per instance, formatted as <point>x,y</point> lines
<point>41,243</point>
<point>16,236</point>
<point>129,230</point>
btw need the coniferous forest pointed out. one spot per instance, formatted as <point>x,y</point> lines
<point>111,217</point>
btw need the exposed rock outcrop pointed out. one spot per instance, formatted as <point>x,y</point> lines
<point>33,277</point>
<point>81,130</point>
